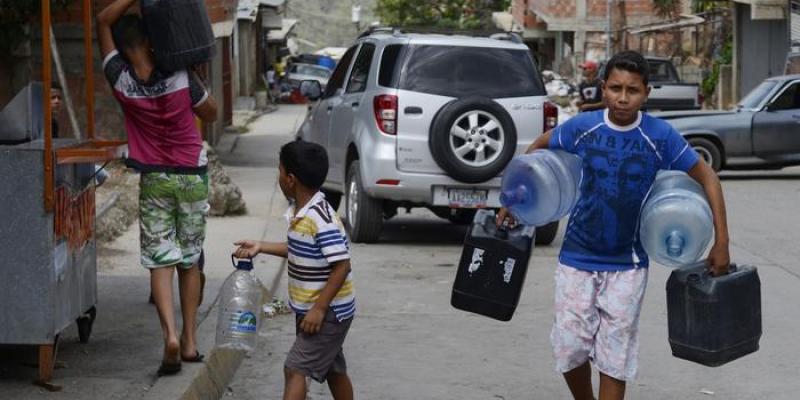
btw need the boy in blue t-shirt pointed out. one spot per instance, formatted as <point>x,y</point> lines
<point>602,272</point>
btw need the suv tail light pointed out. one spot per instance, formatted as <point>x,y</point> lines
<point>550,116</point>
<point>385,107</point>
<point>700,99</point>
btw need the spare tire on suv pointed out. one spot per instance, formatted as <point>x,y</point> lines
<point>472,139</point>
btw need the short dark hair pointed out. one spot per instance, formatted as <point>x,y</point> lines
<point>129,31</point>
<point>54,85</point>
<point>630,61</point>
<point>307,161</point>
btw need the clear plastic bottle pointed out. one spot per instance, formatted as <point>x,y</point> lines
<point>676,224</point>
<point>542,186</point>
<point>238,318</point>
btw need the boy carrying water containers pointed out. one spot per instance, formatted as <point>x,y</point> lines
<point>602,272</point>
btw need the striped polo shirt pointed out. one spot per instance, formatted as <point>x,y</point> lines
<point>316,240</point>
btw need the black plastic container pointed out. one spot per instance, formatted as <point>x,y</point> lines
<point>492,269</point>
<point>713,320</point>
<point>180,32</point>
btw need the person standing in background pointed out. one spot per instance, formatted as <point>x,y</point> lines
<point>591,88</point>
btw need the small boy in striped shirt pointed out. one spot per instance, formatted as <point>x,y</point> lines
<point>320,284</point>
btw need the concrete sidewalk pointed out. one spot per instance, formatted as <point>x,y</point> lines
<point>124,351</point>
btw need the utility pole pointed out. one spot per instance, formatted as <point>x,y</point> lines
<point>608,29</point>
<point>355,12</point>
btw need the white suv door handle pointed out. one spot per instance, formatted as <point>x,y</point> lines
<point>355,104</point>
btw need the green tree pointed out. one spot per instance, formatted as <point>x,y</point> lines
<point>15,15</point>
<point>457,14</point>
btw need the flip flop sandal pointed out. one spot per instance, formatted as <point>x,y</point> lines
<point>196,359</point>
<point>168,369</point>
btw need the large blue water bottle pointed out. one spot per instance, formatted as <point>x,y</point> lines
<point>238,318</point>
<point>542,186</point>
<point>676,223</point>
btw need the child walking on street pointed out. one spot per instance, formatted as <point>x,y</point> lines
<point>320,284</point>
<point>602,273</point>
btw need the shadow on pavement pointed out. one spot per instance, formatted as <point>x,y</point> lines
<point>422,232</point>
<point>120,359</point>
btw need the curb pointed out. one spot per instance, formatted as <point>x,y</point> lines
<point>209,380</point>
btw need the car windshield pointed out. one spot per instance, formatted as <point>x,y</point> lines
<point>460,71</point>
<point>757,95</point>
<point>311,70</point>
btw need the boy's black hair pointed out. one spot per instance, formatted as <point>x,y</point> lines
<point>129,31</point>
<point>630,61</point>
<point>54,85</point>
<point>307,161</point>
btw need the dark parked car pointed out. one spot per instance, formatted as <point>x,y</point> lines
<point>762,132</point>
<point>668,91</point>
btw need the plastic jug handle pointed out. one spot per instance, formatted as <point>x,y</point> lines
<point>502,230</point>
<point>234,258</point>
<point>732,268</point>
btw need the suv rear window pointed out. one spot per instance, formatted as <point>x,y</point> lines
<point>464,71</point>
<point>389,73</point>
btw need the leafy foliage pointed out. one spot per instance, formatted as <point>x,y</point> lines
<point>725,57</point>
<point>15,15</point>
<point>700,6</point>
<point>460,14</point>
<point>669,9</point>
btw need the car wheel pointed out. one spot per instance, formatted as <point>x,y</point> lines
<point>472,139</point>
<point>545,234</point>
<point>364,214</point>
<point>708,152</point>
<point>333,198</point>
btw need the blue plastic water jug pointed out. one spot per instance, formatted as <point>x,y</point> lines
<point>240,299</point>
<point>542,186</point>
<point>676,224</point>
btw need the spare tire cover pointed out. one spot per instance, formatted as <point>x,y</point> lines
<point>472,139</point>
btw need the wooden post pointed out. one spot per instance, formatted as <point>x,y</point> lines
<point>47,363</point>
<point>88,67</point>
<point>49,196</point>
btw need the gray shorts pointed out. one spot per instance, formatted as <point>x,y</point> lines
<point>317,355</point>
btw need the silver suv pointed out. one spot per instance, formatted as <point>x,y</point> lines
<point>423,120</point>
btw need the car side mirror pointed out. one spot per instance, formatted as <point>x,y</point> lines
<point>311,89</point>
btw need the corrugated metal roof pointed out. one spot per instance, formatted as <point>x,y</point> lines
<point>248,9</point>
<point>280,35</point>
<point>271,3</point>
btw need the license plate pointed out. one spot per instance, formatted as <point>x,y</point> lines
<point>467,198</point>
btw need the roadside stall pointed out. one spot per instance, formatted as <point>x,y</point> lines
<point>48,253</point>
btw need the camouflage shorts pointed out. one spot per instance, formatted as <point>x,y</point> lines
<point>172,218</point>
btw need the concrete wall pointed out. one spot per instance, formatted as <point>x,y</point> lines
<point>246,63</point>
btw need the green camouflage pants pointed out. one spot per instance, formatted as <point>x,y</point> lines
<point>172,218</point>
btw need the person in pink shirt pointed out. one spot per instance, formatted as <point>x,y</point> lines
<point>166,147</point>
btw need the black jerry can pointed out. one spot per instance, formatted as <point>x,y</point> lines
<point>181,32</point>
<point>713,320</point>
<point>492,268</point>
